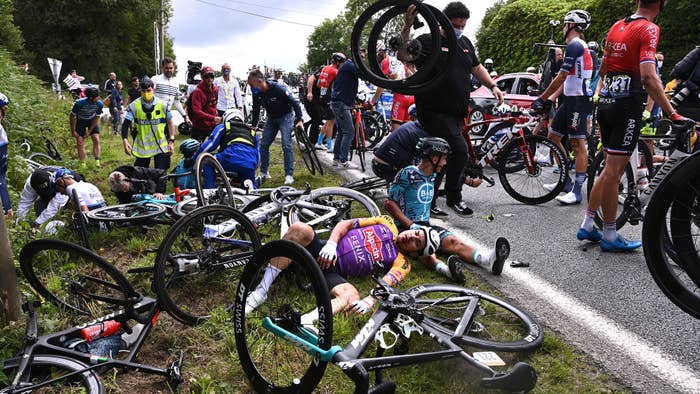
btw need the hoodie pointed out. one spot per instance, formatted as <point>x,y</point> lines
<point>204,100</point>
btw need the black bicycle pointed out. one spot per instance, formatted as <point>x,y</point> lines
<point>307,151</point>
<point>281,350</point>
<point>78,280</point>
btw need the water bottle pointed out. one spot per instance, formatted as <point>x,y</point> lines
<point>105,329</point>
<point>642,178</point>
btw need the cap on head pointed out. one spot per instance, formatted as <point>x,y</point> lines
<point>206,70</point>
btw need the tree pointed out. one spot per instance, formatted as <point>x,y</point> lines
<point>10,35</point>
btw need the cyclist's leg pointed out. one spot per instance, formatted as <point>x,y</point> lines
<point>96,149</point>
<point>450,128</point>
<point>81,128</point>
<point>209,177</point>
<point>342,294</point>
<point>286,129</point>
<point>4,194</point>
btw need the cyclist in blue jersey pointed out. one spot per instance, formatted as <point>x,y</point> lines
<point>410,197</point>
<point>188,147</point>
<point>238,148</point>
<point>83,122</point>
<point>4,195</point>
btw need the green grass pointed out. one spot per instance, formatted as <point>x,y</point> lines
<point>211,362</point>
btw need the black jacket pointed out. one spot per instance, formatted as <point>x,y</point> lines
<point>143,180</point>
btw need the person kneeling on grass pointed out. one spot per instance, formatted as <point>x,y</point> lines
<point>410,195</point>
<point>356,247</point>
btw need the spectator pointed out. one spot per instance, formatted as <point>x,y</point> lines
<point>74,83</point>
<point>4,195</point>
<point>150,117</point>
<point>167,88</point>
<point>110,83</point>
<point>342,101</point>
<point>25,67</point>
<point>488,64</point>
<point>116,106</point>
<point>229,91</point>
<point>134,91</point>
<point>283,111</point>
<point>531,70</point>
<point>40,191</point>
<point>203,103</point>
<point>309,95</point>
<point>326,77</point>
<point>126,180</point>
<point>83,122</point>
<point>89,196</point>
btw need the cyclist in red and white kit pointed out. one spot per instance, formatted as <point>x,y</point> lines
<point>628,68</point>
<point>325,84</point>
<point>395,69</point>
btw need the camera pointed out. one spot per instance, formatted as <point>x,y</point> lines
<point>193,69</point>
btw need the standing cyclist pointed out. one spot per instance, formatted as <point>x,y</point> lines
<point>629,67</point>
<point>83,122</point>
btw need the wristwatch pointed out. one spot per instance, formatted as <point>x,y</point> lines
<point>172,139</point>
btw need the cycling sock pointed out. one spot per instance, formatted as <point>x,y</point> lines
<point>269,276</point>
<point>580,178</point>
<point>320,138</point>
<point>484,258</point>
<point>329,142</point>
<point>609,231</point>
<point>588,220</point>
<point>443,269</point>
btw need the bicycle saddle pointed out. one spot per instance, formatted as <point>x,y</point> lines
<point>522,378</point>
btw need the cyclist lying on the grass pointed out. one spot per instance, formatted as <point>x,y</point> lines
<point>410,196</point>
<point>127,180</point>
<point>356,247</point>
<point>89,196</point>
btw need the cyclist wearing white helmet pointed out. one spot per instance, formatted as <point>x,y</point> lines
<point>355,248</point>
<point>237,143</point>
<point>4,195</point>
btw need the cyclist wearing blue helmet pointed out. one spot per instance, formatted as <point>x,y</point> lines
<point>188,147</point>
<point>4,195</point>
<point>89,196</point>
<point>40,191</point>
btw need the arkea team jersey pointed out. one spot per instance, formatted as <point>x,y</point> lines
<point>370,247</point>
<point>578,64</point>
<point>88,194</point>
<point>84,109</point>
<point>630,42</point>
<point>393,68</point>
<point>325,80</point>
<point>413,191</point>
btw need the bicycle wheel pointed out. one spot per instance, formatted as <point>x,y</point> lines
<point>305,149</point>
<point>42,158</point>
<point>52,150</point>
<point>373,130</point>
<point>80,223</point>
<point>523,178</point>
<point>495,324</point>
<point>131,212</point>
<point>207,165</point>
<point>270,362</point>
<point>361,145</point>
<point>200,260</point>
<point>47,367</point>
<point>346,203</point>
<point>674,206</point>
<point>74,278</point>
<point>628,195</point>
<point>365,184</point>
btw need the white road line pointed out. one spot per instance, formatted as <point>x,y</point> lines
<point>655,361</point>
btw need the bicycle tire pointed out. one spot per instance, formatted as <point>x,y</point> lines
<point>46,367</point>
<point>261,352</point>
<point>373,130</point>
<point>131,212</point>
<point>223,186</point>
<point>345,207</point>
<point>52,150</point>
<point>539,176</point>
<point>74,278</point>
<point>196,273</point>
<point>483,331</point>
<point>81,223</point>
<point>366,184</point>
<point>305,148</point>
<point>361,147</point>
<point>673,191</point>
<point>42,158</point>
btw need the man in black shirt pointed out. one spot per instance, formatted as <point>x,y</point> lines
<point>442,108</point>
<point>134,91</point>
<point>311,100</point>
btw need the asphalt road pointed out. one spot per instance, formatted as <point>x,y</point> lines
<point>605,304</point>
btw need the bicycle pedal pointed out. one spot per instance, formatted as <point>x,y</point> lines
<point>476,328</point>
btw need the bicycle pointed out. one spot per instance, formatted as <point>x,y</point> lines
<point>205,251</point>
<point>365,185</point>
<point>279,353</point>
<point>78,280</point>
<point>35,160</point>
<point>359,144</point>
<point>307,151</point>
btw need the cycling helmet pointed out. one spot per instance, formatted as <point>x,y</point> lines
<point>412,111</point>
<point>3,100</point>
<point>380,46</point>
<point>593,47</point>
<point>146,83</point>
<point>428,146</point>
<point>531,70</point>
<point>234,114</point>
<point>488,61</point>
<point>60,173</point>
<point>92,91</point>
<point>338,57</point>
<point>432,240</point>
<point>189,145</point>
<point>580,18</point>
<point>493,74</point>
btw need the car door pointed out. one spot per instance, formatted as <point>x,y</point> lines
<point>521,96</point>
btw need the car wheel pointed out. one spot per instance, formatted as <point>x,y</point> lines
<point>477,115</point>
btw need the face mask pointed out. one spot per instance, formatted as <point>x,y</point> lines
<point>458,33</point>
<point>226,72</point>
<point>148,96</point>
<point>661,64</point>
<point>255,90</point>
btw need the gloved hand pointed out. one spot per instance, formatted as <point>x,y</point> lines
<point>540,105</point>
<point>596,99</point>
<point>328,254</point>
<point>362,306</point>
<point>677,118</point>
<point>646,116</point>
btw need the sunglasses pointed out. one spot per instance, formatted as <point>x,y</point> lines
<point>209,76</point>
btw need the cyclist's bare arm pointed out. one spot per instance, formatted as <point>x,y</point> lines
<point>376,96</point>
<point>411,13</point>
<point>310,87</point>
<point>395,212</point>
<point>340,230</point>
<point>555,85</point>
<point>72,125</point>
<point>653,86</point>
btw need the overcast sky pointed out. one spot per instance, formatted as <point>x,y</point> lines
<point>215,34</point>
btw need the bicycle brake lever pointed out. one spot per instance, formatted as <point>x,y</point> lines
<point>491,182</point>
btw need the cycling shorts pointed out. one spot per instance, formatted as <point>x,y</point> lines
<point>327,112</point>
<point>399,108</point>
<point>332,273</point>
<point>620,121</point>
<point>384,171</point>
<point>572,116</point>
<point>82,126</point>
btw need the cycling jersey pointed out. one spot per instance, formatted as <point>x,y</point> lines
<point>86,109</point>
<point>578,64</point>
<point>399,108</point>
<point>370,247</point>
<point>413,191</point>
<point>88,194</point>
<point>398,148</point>
<point>325,81</point>
<point>393,68</point>
<point>185,181</point>
<point>240,153</point>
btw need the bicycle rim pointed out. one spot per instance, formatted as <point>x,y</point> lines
<point>271,363</point>
<point>74,278</point>
<point>523,178</point>
<point>200,260</point>
<point>304,150</point>
<point>46,367</point>
<point>132,212</point>
<point>495,324</point>
<point>204,164</point>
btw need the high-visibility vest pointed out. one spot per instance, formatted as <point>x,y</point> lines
<point>150,137</point>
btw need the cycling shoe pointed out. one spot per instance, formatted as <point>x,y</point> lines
<point>620,244</point>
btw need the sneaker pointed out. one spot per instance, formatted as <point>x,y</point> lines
<point>336,163</point>
<point>569,198</point>
<point>307,322</point>
<point>253,301</point>
<point>264,177</point>
<point>329,148</point>
<point>348,164</point>
<point>437,212</point>
<point>542,159</point>
<point>620,244</point>
<point>288,179</point>
<point>97,163</point>
<point>568,186</point>
<point>461,209</point>
<point>502,253</point>
<point>319,147</point>
<point>594,235</point>
<point>455,265</point>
